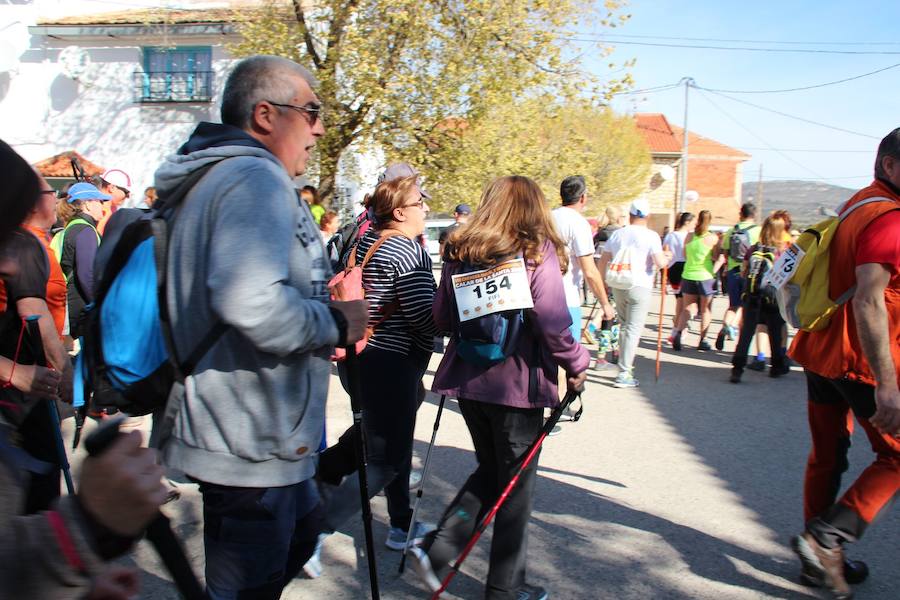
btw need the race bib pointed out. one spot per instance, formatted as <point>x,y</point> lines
<point>783,269</point>
<point>501,287</point>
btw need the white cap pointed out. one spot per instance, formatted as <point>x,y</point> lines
<point>118,178</point>
<point>639,208</point>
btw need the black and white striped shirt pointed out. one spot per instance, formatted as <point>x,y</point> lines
<point>400,270</point>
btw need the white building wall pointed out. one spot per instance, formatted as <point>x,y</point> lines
<point>44,112</point>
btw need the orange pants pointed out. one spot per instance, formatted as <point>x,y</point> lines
<point>830,424</point>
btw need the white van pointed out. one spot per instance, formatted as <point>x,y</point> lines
<point>433,229</point>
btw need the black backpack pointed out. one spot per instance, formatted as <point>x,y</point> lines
<point>761,260</point>
<point>739,242</point>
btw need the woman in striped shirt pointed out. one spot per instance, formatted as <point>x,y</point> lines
<point>400,289</point>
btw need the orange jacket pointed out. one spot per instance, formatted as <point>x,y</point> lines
<point>835,351</point>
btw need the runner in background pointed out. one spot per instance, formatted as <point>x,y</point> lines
<point>674,241</point>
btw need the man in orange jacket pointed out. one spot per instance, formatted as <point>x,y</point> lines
<point>853,365</point>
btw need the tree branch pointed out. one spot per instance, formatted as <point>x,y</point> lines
<point>307,35</point>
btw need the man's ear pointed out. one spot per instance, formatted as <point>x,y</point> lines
<point>263,117</point>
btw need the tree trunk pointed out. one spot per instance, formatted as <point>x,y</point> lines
<point>328,167</point>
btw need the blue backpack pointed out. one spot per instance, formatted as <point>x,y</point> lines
<point>129,359</point>
<point>491,339</point>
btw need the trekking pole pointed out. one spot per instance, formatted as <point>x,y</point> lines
<point>352,364</point>
<point>486,520</point>
<point>159,531</point>
<point>420,491</point>
<point>590,319</point>
<point>662,303</point>
<point>40,359</point>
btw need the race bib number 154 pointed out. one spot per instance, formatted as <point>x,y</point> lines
<point>501,287</point>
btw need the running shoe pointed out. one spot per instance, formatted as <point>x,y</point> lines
<point>313,566</point>
<point>779,371</point>
<point>825,563</point>
<point>601,364</point>
<point>720,340</point>
<point>731,332</point>
<point>736,375</point>
<point>675,340</point>
<point>757,365</point>
<point>421,564</point>
<point>531,592</point>
<point>396,538</point>
<point>704,346</point>
<point>625,380</point>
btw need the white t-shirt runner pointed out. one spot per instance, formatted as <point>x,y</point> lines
<point>644,243</point>
<point>576,233</point>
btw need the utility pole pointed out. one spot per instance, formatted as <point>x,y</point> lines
<point>688,82</point>
<point>759,195</point>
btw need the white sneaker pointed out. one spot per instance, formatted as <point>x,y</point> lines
<point>313,567</point>
<point>421,564</point>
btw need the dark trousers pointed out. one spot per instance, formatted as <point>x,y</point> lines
<point>755,313</point>
<point>833,522</point>
<point>257,539</point>
<point>38,440</point>
<point>391,384</point>
<point>501,436</point>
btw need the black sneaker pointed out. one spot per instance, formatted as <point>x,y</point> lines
<point>779,371</point>
<point>736,375</point>
<point>676,342</point>
<point>704,346</point>
<point>531,592</point>
<point>757,365</point>
<point>720,340</point>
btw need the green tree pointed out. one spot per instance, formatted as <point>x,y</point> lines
<point>547,140</point>
<point>392,71</point>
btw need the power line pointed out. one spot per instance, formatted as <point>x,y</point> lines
<point>650,90</point>
<point>808,87</point>
<point>770,146</point>
<point>741,41</point>
<point>789,177</point>
<point>789,116</point>
<point>616,42</point>
<point>818,150</point>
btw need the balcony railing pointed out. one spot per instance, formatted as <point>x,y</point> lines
<point>173,86</point>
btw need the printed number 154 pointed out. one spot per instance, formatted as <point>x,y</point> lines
<point>491,286</point>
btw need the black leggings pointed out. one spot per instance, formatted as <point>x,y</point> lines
<point>754,313</point>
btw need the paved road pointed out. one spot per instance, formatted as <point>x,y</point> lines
<point>683,489</point>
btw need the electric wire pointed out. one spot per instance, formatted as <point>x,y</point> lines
<point>736,41</point>
<point>808,87</point>
<point>616,42</point>
<point>765,143</point>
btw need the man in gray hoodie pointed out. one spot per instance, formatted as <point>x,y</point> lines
<point>244,253</point>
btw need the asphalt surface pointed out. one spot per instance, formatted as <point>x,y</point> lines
<point>685,488</point>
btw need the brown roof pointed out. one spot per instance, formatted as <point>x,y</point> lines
<point>702,146</point>
<point>151,16</point>
<point>657,133</point>
<point>60,165</point>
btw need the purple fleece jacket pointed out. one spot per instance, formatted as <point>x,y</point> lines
<point>546,344</point>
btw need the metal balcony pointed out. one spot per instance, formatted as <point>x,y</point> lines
<point>173,86</point>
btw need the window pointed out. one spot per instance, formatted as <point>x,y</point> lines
<point>179,74</point>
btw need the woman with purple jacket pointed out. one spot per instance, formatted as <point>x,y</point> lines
<point>503,405</point>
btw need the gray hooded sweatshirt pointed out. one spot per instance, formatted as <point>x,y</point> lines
<point>243,250</point>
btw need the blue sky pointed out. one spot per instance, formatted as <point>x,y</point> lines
<point>870,105</point>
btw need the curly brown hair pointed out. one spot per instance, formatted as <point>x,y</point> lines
<point>513,217</point>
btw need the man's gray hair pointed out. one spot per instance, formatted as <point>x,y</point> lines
<point>259,78</point>
<point>889,146</point>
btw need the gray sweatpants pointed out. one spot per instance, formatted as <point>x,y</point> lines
<point>631,306</point>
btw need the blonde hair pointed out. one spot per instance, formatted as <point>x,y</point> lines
<point>389,196</point>
<point>772,232</point>
<point>512,218</point>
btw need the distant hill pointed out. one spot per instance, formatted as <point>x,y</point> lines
<point>803,199</point>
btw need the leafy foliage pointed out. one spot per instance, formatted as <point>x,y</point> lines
<point>392,72</point>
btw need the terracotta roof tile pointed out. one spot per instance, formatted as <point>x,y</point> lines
<point>60,165</point>
<point>703,146</point>
<point>154,16</point>
<point>657,132</point>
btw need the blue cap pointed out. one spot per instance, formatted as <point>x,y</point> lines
<point>86,191</point>
<point>463,209</point>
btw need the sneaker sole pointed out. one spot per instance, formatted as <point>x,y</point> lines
<point>425,572</point>
<point>622,386</point>
<point>398,547</point>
